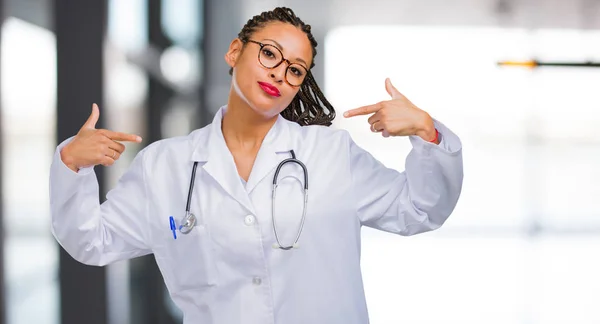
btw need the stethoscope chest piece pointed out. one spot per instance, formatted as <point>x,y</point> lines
<point>189,221</point>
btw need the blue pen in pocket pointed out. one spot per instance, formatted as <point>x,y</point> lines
<point>173,227</point>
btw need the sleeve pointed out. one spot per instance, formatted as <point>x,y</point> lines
<point>421,198</point>
<point>93,233</point>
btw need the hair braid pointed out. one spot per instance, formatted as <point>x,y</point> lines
<point>309,106</point>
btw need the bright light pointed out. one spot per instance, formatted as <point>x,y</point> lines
<point>176,64</point>
<point>528,138</point>
<point>28,77</point>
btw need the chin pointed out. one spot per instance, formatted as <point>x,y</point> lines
<point>267,107</point>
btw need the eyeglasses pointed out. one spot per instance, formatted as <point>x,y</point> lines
<point>271,57</point>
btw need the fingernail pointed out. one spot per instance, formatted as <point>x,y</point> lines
<point>138,139</point>
<point>346,114</point>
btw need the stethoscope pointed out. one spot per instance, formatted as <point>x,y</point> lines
<point>189,220</point>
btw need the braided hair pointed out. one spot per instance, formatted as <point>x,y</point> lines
<point>309,106</point>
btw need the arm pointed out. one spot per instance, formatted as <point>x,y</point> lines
<point>94,233</point>
<point>417,200</point>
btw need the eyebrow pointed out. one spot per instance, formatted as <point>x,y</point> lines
<point>281,48</point>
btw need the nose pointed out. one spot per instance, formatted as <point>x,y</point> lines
<point>278,73</point>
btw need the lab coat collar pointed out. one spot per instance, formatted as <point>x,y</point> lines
<point>219,163</point>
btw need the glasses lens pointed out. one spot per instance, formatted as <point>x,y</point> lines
<point>269,56</point>
<point>295,74</point>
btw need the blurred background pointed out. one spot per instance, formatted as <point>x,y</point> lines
<point>523,245</point>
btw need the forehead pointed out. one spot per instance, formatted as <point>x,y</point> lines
<point>294,41</point>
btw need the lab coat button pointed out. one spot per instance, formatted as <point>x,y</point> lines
<point>249,220</point>
<point>256,281</point>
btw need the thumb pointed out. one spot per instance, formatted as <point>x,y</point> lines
<point>394,93</point>
<point>93,119</point>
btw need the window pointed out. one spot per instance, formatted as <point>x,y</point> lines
<point>519,246</point>
<point>28,126</point>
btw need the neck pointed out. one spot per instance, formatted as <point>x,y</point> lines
<point>243,128</point>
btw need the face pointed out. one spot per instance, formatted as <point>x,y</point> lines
<point>267,90</point>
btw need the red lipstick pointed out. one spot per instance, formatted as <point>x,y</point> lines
<point>269,89</point>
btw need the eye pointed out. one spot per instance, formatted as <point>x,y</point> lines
<point>268,53</point>
<point>297,72</point>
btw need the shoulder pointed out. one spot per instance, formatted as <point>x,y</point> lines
<point>175,148</point>
<point>321,137</point>
<point>324,133</point>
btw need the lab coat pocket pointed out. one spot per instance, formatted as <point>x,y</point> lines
<point>188,260</point>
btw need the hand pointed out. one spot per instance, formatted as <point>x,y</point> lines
<point>397,117</point>
<point>93,146</point>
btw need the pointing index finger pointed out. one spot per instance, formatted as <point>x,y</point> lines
<point>123,137</point>
<point>364,110</point>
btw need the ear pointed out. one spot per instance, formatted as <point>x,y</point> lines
<point>234,52</point>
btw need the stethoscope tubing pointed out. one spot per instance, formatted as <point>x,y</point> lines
<point>190,220</point>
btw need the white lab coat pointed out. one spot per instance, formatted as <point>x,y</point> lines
<point>226,270</point>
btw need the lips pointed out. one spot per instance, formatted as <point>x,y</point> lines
<point>269,89</point>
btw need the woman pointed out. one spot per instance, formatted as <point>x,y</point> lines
<point>250,257</point>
